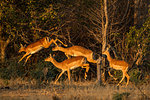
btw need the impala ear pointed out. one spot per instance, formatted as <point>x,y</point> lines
<point>107,48</point>
<point>21,48</point>
<point>21,45</point>
<point>51,55</point>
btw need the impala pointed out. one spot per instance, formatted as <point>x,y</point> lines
<point>118,65</point>
<point>77,51</point>
<point>69,64</point>
<point>37,46</point>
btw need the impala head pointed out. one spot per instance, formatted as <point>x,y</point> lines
<point>49,58</point>
<point>22,48</point>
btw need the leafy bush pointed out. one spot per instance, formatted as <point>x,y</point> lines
<point>134,76</point>
<point>11,69</point>
<point>121,96</point>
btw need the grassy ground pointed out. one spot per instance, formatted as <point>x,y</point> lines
<point>24,90</point>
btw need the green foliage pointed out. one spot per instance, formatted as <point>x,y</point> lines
<point>12,70</point>
<point>135,76</point>
<point>19,18</point>
<point>139,38</point>
<point>38,74</point>
<point>121,96</point>
<point>4,73</point>
<point>8,19</point>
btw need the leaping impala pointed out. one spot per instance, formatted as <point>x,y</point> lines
<point>77,51</point>
<point>37,46</point>
<point>118,65</point>
<point>69,64</point>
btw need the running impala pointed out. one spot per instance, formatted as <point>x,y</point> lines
<point>77,51</point>
<point>37,46</point>
<point>69,64</point>
<point>118,65</point>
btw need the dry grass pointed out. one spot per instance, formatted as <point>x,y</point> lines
<point>89,90</point>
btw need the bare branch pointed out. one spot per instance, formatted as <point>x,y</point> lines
<point>96,37</point>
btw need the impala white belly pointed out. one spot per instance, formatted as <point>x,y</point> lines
<point>36,50</point>
<point>77,53</point>
<point>74,67</point>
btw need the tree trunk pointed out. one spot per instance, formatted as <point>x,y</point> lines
<point>104,37</point>
<point>105,27</point>
<point>136,11</point>
<point>99,70</point>
<point>3,45</point>
<point>2,53</point>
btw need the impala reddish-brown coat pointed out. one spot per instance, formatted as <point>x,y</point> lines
<point>118,65</point>
<point>77,51</point>
<point>37,46</point>
<point>69,64</point>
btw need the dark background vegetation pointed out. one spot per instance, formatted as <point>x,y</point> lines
<point>75,22</point>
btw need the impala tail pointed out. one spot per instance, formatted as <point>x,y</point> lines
<point>85,60</point>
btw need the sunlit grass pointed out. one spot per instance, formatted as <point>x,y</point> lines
<point>85,90</point>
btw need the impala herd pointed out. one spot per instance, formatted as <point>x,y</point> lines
<point>77,57</point>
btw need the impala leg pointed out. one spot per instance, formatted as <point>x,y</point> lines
<point>60,42</point>
<point>23,57</point>
<point>68,75</point>
<point>27,59</point>
<point>128,77</point>
<point>122,78</point>
<point>111,75</point>
<point>52,41</point>
<point>87,69</point>
<point>59,76</point>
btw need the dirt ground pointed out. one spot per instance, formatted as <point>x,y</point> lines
<point>74,91</point>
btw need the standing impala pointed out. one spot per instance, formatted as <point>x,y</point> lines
<point>69,64</point>
<point>37,46</point>
<point>118,65</point>
<point>77,51</point>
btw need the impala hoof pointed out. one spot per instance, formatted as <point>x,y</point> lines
<point>54,82</point>
<point>115,79</point>
<point>118,85</point>
<point>65,45</point>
